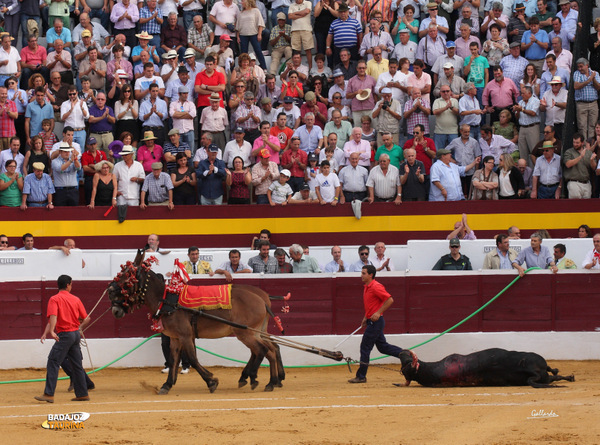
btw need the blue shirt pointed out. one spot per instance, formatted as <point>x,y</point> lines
<point>65,35</point>
<point>535,51</point>
<point>153,120</point>
<point>345,34</point>
<point>309,141</point>
<point>449,177</point>
<point>151,27</point>
<point>588,93</point>
<point>541,260</point>
<point>21,104</point>
<point>64,178</point>
<point>547,77</point>
<point>37,114</point>
<point>37,189</point>
<point>211,186</point>
<point>136,51</point>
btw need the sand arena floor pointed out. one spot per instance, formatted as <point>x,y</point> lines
<point>315,406</point>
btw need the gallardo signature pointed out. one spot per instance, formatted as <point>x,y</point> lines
<point>542,414</point>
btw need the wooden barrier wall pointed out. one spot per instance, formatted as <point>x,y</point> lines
<point>321,306</point>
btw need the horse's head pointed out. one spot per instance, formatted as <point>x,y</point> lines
<point>124,291</point>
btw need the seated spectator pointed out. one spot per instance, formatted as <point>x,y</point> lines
<point>11,185</point>
<point>37,189</point>
<point>279,193</point>
<point>158,187</point>
<point>485,181</point>
<point>527,173</point>
<point>535,255</point>
<point>304,196</point>
<point>502,257</point>
<point>584,231</point>
<point>200,37</point>
<point>4,243</point>
<point>282,265</point>
<point>37,153</point>
<point>363,254</point>
<point>238,181</point>
<point>33,60</point>
<point>89,159</point>
<point>104,186</point>
<point>453,260</point>
<point>333,154</point>
<point>510,179</point>
<point>560,250</point>
<point>462,230</point>
<point>302,263</point>
<point>380,261</point>
<point>336,264</point>
<point>234,265</point>
<point>12,154</point>
<point>184,181</point>
<point>263,262</point>
<point>592,258</point>
<point>28,241</point>
<point>173,36</point>
<point>94,68</point>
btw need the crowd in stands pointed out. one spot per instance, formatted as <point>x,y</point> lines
<point>293,102</point>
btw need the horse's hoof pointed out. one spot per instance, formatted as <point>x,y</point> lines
<point>242,383</point>
<point>269,388</point>
<point>254,384</point>
<point>279,385</point>
<point>163,391</point>
<point>212,385</point>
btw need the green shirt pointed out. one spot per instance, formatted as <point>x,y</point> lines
<point>543,17</point>
<point>10,197</point>
<point>307,264</point>
<point>396,155</point>
<point>477,73</point>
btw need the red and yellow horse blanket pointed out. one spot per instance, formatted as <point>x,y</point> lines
<point>206,297</point>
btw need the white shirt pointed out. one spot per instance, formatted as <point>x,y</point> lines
<point>130,190</point>
<point>232,149</point>
<point>183,125</point>
<point>12,55</point>
<point>201,155</point>
<point>397,93</point>
<point>554,114</point>
<point>409,51</point>
<point>379,262</point>
<point>77,117</point>
<point>589,258</point>
<point>143,83</point>
<point>327,185</point>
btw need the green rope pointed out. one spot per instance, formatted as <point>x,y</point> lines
<point>435,337</point>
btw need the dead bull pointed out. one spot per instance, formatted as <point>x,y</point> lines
<point>491,367</point>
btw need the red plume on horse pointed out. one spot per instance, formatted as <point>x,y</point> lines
<point>247,319</point>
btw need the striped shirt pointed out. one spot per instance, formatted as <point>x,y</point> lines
<point>385,186</point>
<point>243,111</point>
<point>533,104</point>
<point>258,265</point>
<point>345,33</point>
<point>157,188</point>
<point>37,189</point>
<point>588,93</point>
<point>354,179</point>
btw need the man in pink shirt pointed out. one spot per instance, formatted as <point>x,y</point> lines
<point>33,60</point>
<point>357,90</point>
<point>358,145</point>
<point>268,142</point>
<point>499,94</point>
<point>419,79</point>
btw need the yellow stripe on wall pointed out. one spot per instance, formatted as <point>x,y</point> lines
<point>343,224</point>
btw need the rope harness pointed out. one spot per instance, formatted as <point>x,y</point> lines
<point>128,281</point>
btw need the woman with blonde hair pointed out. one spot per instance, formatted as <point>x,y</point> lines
<point>104,187</point>
<point>510,179</point>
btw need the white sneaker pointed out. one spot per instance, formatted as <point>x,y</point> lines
<point>165,370</point>
<point>184,371</point>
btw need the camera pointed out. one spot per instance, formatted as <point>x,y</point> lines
<point>385,105</point>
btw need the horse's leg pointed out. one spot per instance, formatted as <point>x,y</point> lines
<point>273,366</point>
<point>258,352</point>
<point>190,349</point>
<point>172,376</point>
<point>274,348</point>
<point>243,381</point>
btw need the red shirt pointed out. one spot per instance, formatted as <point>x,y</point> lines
<point>421,155</point>
<point>283,135</point>
<point>33,58</point>
<point>7,124</point>
<point>202,78</point>
<point>68,310</point>
<point>88,159</point>
<point>295,170</point>
<point>374,296</point>
<point>320,107</point>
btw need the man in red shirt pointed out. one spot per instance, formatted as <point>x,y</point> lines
<point>207,82</point>
<point>425,148</point>
<point>66,316</point>
<point>295,161</point>
<point>376,300</point>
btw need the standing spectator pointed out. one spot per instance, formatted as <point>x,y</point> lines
<point>129,174</point>
<point>59,61</point>
<point>435,19</point>
<point>153,113</point>
<point>59,11</point>
<point>445,178</point>
<point>238,181</point>
<point>149,77</point>
<point>224,15</point>
<point>200,37</point>
<point>296,161</point>
<point>470,18</point>
<point>173,37</point>
<point>74,113</point>
<point>126,114</point>
<point>499,94</point>
<point>11,9</point>
<point>264,173</point>
<point>464,150</point>
<point>417,111</point>
<point>118,64</point>
<point>463,43</point>
<point>209,81</point>
<point>485,181</point>
<point>151,21</point>
<point>376,38</point>
<point>124,16</point>
<point>191,9</point>
<point>527,111</point>
<point>280,40</point>
<point>360,89</point>
<point>476,70</point>
<point>33,60</point>
<point>211,173</point>
<point>36,112</point>
<point>424,148</point>
<point>358,145</point>
<point>554,103</point>
<point>470,111</point>
<point>184,181</point>
<point>412,177</point>
<point>64,169</point>
<point>37,189</point>
<point>431,47</point>
<point>551,70</point>
<point>344,33</point>
<point>568,16</point>
<point>248,116</point>
<point>30,10</point>
<point>353,180</point>
<point>579,164</point>
<point>265,142</point>
<point>406,47</point>
<point>176,145</point>
<point>587,85</point>
<point>11,186</point>
<point>10,60</point>
<point>496,48</point>
<point>495,16</point>
<point>19,97</point>
<point>420,80</point>
<point>535,43</point>
<point>12,154</point>
<point>149,152</point>
<point>158,187</point>
<point>493,144</point>
<point>327,186</point>
<point>445,110</point>
<point>249,27</point>
<point>280,192</point>
<point>102,120</point>
<point>514,64</point>
<point>8,115</point>
<point>547,176</point>
<point>89,159</point>
<point>183,113</point>
<point>214,119</point>
<point>383,183</point>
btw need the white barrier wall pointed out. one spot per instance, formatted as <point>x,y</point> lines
<point>416,255</point>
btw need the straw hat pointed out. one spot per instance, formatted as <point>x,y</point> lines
<point>364,95</point>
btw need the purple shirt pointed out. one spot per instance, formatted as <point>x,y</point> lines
<point>355,84</point>
<point>102,125</point>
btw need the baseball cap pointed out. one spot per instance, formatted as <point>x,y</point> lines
<point>288,100</point>
<point>285,172</point>
<point>450,44</point>
<point>454,242</point>
<point>239,130</point>
<point>212,148</point>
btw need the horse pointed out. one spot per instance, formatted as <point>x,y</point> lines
<point>137,285</point>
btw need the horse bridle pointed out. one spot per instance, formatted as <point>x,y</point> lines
<point>128,282</point>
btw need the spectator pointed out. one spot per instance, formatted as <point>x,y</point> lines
<point>327,185</point>
<point>248,116</point>
<point>74,112</point>
<point>224,16</point>
<point>485,181</point>
<point>432,46</point>
<point>145,39</point>
<point>470,110</point>
<point>57,32</point>
<point>33,60</point>
<point>238,180</point>
<point>102,120</point>
<point>527,111</point>
<point>214,119</point>
<point>269,89</point>
<point>568,16</point>
<point>417,111</point>
<point>476,70</point>
<point>464,151</point>
<point>454,260</point>
<point>211,173</point>
<point>234,265</point>
<point>592,258</point>
<point>37,153</point>
<point>470,18</point>
<point>295,160</point>
<point>153,113</point>
<point>279,193</point>
<point>494,145</point>
<point>363,254</point>
<point>223,54</point>
<point>311,136</point>
<point>446,111</point>
<point>344,33</point>
<point>37,189</point>
<point>445,178</point>
<point>424,147</point>
<point>94,68</point>
<point>129,174</point>
<point>434,18</point>
<point>412,177</point>
<point>547,176</point>
<point>98,31</point>
<point>502,257</point>
<point>280,40</point>
<point>158,187</point>
<point>463,43</point>
<point>587,85</point>
<point>124,16</point>
<point>535,255</point>
<point>64,170</point>
<point>336,264</point>
<point>535,44</point>
<point>304,196</point>
<point>302,263</point>
<point>383,183</point>
<point>60,61</point>
<point>499,94</point>
<point>173,37</point>
<point>560,250</point>
<point>291,87</point>
<point>183,113</point>
<point>263,263</point>
<point>510,179</point>
<point>584,231</point>
<point>380,261</point>
<point>200,37</point>
<point>406,47</point>
<point>579,164</point>
<point>376,38</point>
<point>89,159</point>
<point>4,243</point>
<point>170,67</point>
<point>11,186</point>
<point>104,186</point>
<point>175,146</point>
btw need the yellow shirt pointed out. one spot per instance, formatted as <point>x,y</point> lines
<point>374,69</point>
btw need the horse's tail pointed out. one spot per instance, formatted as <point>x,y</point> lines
<point>279,297</point>
<point>276,319</point>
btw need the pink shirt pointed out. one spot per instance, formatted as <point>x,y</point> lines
<point>462,47</point>
<point>504,94</point>
<point>414,82</point>
<point>363,148</point>
<point>355,84</point>
<point>258,143</point>
<point>144,156</point>
<point>33,58</point>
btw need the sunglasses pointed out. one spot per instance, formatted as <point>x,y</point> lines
<point>364,253</point>
<point>3,242</point>
<point>72,94</point>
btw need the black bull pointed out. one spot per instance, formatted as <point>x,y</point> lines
<point>491,367</point>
